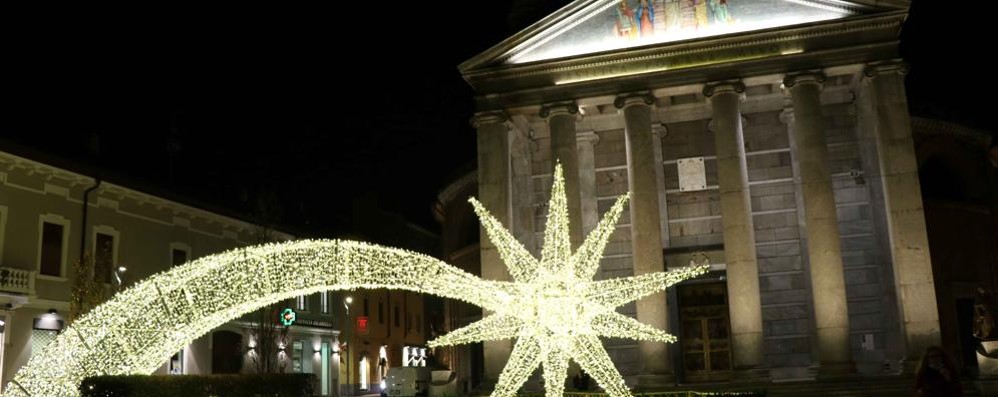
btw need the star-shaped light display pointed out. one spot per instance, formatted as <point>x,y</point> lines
<point>553,307</point>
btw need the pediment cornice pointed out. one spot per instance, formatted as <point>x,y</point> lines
<point>858,39</point>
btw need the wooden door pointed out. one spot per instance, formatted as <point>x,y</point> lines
<point>705,332</point>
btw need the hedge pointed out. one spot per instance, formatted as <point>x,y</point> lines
<point>687,393</point>
<point>270,385</point>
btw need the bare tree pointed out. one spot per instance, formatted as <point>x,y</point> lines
<point>270,340</point>
<point>270,336</point>
<point>88,291</point>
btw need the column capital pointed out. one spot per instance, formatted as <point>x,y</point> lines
<point>787,115</point>
<point>710,123</point>
<point>634,98</point>
<point>660,129</point>
<point>587,137</point>
<point>720,87</point>
<point>804,77</point>
<point>876,69</point>
<point>556,108</point>
<point>489,117</point>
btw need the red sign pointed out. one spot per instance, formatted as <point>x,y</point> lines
<point>362,325</point>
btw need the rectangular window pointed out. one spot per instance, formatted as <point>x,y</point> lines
<point>296,356</point>
<point>177,257</point>
<point>365,371</point>
<point>324,301</point>
<point>41,338</point>
<point>325,369</point>
<point>381,312</point>
<point>177,363</point>
<point>53,236</point>
<point>302,303</point>
<point>3,226</point>
<point>103,257</point>
<point>307,367</point>
<point>365,307</point>
<point>397,316</point>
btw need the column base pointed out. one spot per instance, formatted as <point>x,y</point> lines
<point>988,367</point>
<point>655,381</point>
<point>834,370</point>
<point>484,388</point>
<point>750,375</point>
<point>908,366</point>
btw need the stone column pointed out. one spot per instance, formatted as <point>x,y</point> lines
<point>828,287</point>
<point>564,148</point>
<point>891,126</point>
<point>493,192</point>
<point>646,236</point>
<point>739,236</point>
<point>659,132</point>
<point>587,180</point>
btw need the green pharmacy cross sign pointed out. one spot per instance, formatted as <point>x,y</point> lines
<point>551,305</point>
<point>288,317</point>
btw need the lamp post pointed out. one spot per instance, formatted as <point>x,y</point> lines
<point>118,273</point>
<point>346,331</point>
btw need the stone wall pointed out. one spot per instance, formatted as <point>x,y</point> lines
<point>867,269</point>
<point>693,221</point>
<point>784,282</point>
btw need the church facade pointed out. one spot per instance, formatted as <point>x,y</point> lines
<point>769,138</point>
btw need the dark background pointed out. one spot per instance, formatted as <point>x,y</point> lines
<point>303,115</point>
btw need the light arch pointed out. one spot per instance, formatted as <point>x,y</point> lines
<point>141,327</point>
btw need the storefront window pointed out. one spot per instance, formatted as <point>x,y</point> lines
<point>365,370</point>
<point>296,356</point>
<point>324,377</point>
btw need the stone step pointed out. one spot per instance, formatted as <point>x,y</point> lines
<point>850,387</point>
<point>864,387</point>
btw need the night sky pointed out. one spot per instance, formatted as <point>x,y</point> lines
<point>314,111</point>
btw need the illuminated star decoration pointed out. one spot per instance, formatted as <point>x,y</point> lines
<point>554,308</point>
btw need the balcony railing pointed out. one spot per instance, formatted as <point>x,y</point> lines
<point>17,281</point>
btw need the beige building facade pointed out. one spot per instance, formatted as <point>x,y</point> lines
<point>387,330</point>
<point>770,138</point>
<point>51,215</point>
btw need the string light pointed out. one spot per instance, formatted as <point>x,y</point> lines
<point>141,327</point>
<point>555,310</point>
<point>553,307</point>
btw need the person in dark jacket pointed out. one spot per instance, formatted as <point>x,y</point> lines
<point>937,375</point>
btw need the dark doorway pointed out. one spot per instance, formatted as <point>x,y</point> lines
<point>226,352</point>
<point>705,332</point>
<point>477,364</point>
<point>968,343</point>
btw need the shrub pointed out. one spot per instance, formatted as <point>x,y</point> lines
<point>265,385</point>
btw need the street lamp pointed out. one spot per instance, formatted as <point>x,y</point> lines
<point>346,331</point>
<point>118,273</point>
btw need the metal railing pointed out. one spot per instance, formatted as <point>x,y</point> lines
<point>18,281</point>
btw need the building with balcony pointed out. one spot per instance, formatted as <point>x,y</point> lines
<point>53,212</point>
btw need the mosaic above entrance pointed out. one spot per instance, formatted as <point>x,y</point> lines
<point>614,24</point>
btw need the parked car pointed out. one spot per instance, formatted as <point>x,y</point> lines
<point>407,382</point>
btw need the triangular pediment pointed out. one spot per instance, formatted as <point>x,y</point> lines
<point>595,26</point>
